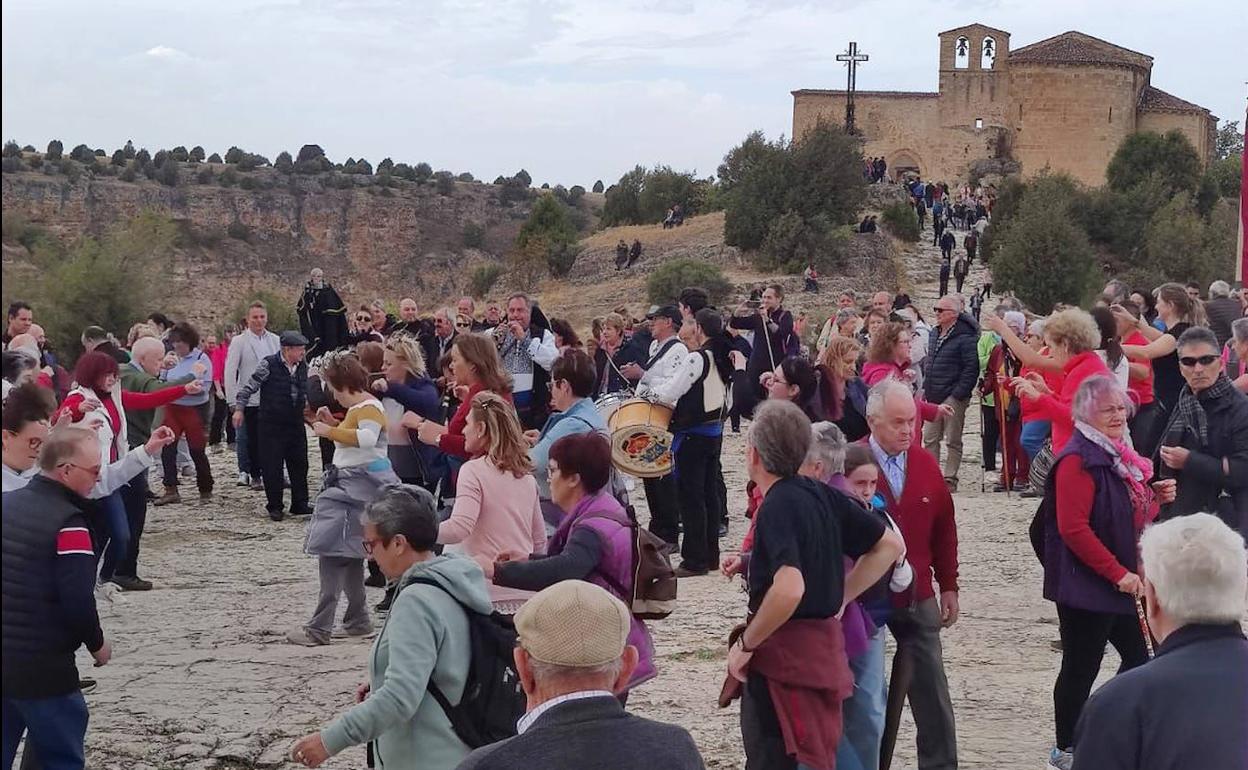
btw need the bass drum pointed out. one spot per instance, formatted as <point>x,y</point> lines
<point>640,442</point>
<point>608,403</point>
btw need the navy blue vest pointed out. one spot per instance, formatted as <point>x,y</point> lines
<point>1067,580</point>
<point>283,395</point>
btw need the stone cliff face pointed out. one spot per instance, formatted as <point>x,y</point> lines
<point>404,241</point>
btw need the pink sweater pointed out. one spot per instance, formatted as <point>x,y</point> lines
<point>495,513</point>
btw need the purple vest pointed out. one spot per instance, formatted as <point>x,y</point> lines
<point>603,514</point>
<point>1067,580</point>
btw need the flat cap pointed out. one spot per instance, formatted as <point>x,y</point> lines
<point>575,624</point>
<point>293,339</point>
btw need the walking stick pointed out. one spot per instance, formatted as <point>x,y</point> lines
<point>1006,472</point>
<point>1148,635</point>
<point>898,689</point>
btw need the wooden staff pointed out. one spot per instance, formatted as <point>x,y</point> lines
<point>1148,635</point>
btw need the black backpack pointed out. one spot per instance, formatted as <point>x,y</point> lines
<point>493,700</point>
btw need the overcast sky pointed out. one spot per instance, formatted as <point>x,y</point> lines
<point>572,90</point>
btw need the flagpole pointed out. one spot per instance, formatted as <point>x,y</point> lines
<point>1241,264</point>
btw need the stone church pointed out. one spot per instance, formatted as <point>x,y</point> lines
<point>1064,103</point>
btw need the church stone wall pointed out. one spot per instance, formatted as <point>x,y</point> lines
<point>1196,127</point>
<point>1071,119</point>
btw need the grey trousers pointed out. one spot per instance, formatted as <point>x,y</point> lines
<point>948,429</point>
<point>340,575</point>
<point>917,631</point>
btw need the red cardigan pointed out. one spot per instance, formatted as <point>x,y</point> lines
<point>1057,407</point>
<point>925,515</point>
<point>452,442</point>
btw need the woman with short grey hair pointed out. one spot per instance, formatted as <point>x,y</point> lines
<point>423,650</point>
<point>1097,499</point>
<point>1236,355</point>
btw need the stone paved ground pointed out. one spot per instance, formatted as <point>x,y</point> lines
<point>202,678</point>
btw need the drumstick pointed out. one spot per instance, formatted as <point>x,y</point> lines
<point>1148,636</point>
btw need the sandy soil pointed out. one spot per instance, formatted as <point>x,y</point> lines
<point>202,677</point>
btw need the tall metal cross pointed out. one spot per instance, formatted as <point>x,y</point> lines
<point>851,57</point>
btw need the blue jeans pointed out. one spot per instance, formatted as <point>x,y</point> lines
<point>240,447</point>
<point>55,727</point>
<point>118,546</point>
<point>863,713</point>
<point>1033,435</point>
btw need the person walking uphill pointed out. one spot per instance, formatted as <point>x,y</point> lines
<point>789,664</point>
<point>361,468</point>
<point>281,383</point>
<point>424,645</point>
<point>48,590</point>
<point>952,371</point>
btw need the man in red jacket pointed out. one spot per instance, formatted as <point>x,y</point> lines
<point>918,499</point>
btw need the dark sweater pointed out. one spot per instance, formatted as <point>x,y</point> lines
<point>1184,710</point>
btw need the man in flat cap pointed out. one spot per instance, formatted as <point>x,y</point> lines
<point>282,382</point>
<point>573,658</point>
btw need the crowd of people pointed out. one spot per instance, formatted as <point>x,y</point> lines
<point>467,467</point>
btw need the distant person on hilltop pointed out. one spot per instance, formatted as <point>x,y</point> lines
<point>621,254</point>
<point>634,253</point>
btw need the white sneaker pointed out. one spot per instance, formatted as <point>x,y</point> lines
<point>1061,760</point>
<point>244,479</point>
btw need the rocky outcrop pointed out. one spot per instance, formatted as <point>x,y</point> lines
<point>370,240</point>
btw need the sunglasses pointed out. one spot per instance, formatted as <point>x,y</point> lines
<point>463,326</point>
<point>363,319</point>
<point>1190,361</point>
<point>942,310</point>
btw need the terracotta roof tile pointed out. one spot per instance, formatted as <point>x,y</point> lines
<point>1078,48</point>
<point>1156,100</point>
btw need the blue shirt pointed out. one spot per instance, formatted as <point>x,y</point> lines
<point>892,466</point>
<point>183,369</point>
<point>581,417</point>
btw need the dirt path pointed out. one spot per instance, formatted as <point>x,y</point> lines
<point>202,677</point>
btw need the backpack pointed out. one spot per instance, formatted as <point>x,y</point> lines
<point>493,700</point>
<point>654,581</point>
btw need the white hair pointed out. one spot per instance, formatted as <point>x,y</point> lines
<point>827,446</point>
<point>145,345</point>
<point>882,390</point>
<point>546,673</point>
<point>1239,329</point>
<point>1198,568</point>
<point>1219,289</point>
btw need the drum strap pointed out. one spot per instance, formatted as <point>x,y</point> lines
<point>627,385</point>
<point>662,352</point>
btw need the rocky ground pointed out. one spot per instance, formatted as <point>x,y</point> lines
<point>202,677</point>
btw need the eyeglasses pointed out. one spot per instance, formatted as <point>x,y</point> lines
<point>371,543</point>
<point>462,325</point>
<point>363,319</point>
<point>1191,361</point>
<point>92,470</point>
<point>942,309</point>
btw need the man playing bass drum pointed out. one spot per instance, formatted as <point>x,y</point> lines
<point>700,397</point>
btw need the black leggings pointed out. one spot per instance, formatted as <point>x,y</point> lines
<point>1084,634</point>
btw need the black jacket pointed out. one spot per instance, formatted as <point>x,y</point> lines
<point>283,395</point>
<point>590,734</point>
<point>1187,709</point>
<point>1203,485</point>
<point>1222,313</point>
<point>952,362</point>
<point>48,590</point>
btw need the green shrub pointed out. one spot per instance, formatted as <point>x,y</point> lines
<point>483,277</point>
<point>106,280</point>
<point>180,154</point>
<point>793,243</point>
<point>1171,157</point>
<point>281,310</point>
<point>197,154</point>
<point>465,177</point>
<point>55,148</point>
<point>11,165</point>
<point>1044,256</point>
<point>204,176</point>
<point>900,220</point>
<point>168,173</point>
<point>523,177</point>
<point>445,183</point>
<point>665,284</point>
<point>238,231</point>
<point>17,229</point>
<point>422,172</point>
<point>12,150</point>
<point>35,162</point>
<point>248,183</point>
<point>474,235</point>
<point>214,158</point>
<point>598,186</point>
